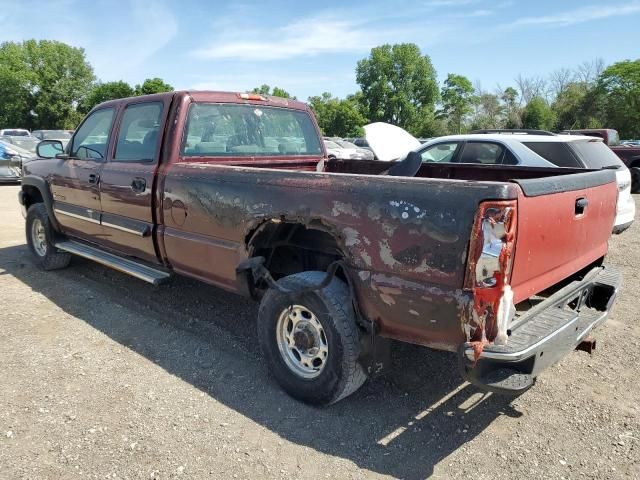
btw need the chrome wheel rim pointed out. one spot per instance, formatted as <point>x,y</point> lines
<point>302,341</point>
<point>39,237</point>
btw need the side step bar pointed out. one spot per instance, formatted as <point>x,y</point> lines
<point>133,268</point>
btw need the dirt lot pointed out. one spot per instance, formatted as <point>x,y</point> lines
<point>104,376</point>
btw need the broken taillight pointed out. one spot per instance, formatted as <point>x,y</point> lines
<point>489,270</point>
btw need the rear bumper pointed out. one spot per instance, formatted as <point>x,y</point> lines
<point>543,335</point>
<point>625,214</point>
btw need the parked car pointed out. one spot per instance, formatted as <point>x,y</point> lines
<point>20,138</point>
<point>629,154</point>
<point>335,150</point>
<point>364,153</point>
<point>14,132</point>
<point>337,251</point>
<point>530,148</point>
<point>62,135</point>
<point>11,158</point>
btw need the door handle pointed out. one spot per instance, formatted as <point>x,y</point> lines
<point>94,178</point>
<point>581,204</point>
<point>138,185</point>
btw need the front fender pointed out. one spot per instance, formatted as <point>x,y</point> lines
<point>42,186</point>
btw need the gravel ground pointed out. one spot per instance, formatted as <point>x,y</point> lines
<point>104,376</point>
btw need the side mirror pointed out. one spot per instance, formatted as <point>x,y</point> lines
<point>49,149</point>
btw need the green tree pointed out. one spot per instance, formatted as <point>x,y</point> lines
<point>265,89</point>
<point>41,83</point>
<point>398,85</point>
<point>512,112</point>
<point>489,112</point>
<point>152,85</point>
<point>101,92</point>
<point>538,115</point>
<point>337,117</point>
<point>570,106</point>
<point>620,83</point>
<point>457,100</point>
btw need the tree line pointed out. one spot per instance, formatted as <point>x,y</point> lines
<point>48,84</point>
<point>398,85</point>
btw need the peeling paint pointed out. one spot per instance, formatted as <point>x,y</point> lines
<point>351,236</point>
<point>342,208</point>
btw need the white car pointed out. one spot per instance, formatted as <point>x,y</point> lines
<point>513,147</point>
<point>334,150</point>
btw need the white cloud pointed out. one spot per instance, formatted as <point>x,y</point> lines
<point>578,15</point>
<point>306,37</point>
<point>319,34</point>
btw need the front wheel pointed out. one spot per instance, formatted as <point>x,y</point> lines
<point>40,238</point>
<point>311,340</point>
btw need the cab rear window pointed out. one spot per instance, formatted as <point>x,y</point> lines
<point>555,152</point>
<point>215,130</point>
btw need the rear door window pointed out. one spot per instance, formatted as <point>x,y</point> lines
<point>595,154</point>
<point>216,130</point>
<point>139,132</point>
<point>482,152</point>
<point>555,152</point>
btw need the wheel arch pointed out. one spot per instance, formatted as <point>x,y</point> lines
<point>35,190</point>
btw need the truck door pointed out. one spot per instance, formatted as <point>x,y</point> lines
<point>75,182</point>
<point>126,181</point>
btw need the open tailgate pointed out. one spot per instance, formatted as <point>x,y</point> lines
<point>564,224</point>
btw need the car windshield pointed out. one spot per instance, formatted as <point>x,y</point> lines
<point>345,144</point>
<point>16,133</point>
<point>56,134</point>
<point>249,130</point>
<point>595,154</point>
<point>330,144</point>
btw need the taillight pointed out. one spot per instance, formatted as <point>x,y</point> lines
<point>488,272</point>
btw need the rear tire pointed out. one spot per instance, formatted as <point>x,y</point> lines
<point>310,340</point>
<point>40,238</point>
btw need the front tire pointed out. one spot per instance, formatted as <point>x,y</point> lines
<point>310,340</point>
<point>40,238</point>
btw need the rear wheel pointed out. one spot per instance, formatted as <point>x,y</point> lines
<point>311,340</point>
<point>40,238</point>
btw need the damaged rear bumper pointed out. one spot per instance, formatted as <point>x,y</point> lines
<point>543,335</point>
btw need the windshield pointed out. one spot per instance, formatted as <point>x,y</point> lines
<point>330,144</point>
<point>595,154</point>
<point>55,134</point>
<point>248,130</point>
<point>347,145</point>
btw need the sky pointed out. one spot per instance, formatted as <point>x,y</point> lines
<point>312,47</point>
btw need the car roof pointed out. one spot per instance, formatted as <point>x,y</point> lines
<point>209,96</point>
<point>508,138</point>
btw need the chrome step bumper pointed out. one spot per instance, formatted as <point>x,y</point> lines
<point>543,335</point>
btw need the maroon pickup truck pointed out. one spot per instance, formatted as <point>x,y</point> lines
<point>503,265</point>
<point>629,154</point>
